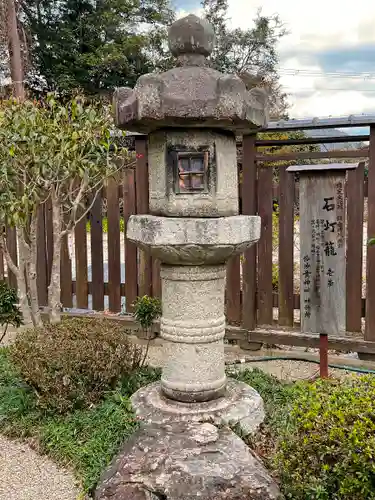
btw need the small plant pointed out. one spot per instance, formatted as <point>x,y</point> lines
<point>146,311</point>
<point>10,313</point>
<point>72,364</point>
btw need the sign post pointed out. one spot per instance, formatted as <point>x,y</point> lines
<point>322,246</point>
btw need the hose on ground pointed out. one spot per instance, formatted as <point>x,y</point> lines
<point>261,359</point>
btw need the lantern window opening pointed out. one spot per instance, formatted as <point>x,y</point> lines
<point>192,172</point>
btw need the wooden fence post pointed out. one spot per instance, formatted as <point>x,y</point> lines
<point>41,258</point>
<point>355,205</point>
<point>66,274</point>
<point>249,207</point>
<point>265,209</point>
<point>114,263</point>
<point>131,261</point>
<point>49,238</point>
<point>370,281</point>
<point>97,258</point>
<point>233,291</point>
<point>233,282</point>
<point>286,248</point>
<point>142,204</point>
<point>80,243</point>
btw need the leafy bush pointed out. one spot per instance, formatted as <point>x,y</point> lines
<point>87,438</point>
<point>327,452</point>
<point>10,313</point>
<point>146,311</point>
<point>73,363</point>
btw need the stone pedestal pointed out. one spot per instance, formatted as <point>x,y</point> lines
<point>193,252</point>
<point>193,323</point>
<point>193,385</point>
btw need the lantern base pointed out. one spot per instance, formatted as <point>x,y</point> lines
<point>241,406</point>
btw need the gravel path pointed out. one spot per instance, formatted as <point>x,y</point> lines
<point>25,475</point>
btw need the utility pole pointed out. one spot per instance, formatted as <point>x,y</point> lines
<point>16,65</point>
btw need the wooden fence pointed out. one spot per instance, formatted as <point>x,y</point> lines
<point>251,298</point>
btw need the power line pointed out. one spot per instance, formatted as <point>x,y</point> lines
<point>326,89</point>
<point>328,74</point>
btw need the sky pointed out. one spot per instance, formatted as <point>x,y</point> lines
<point>327,59</point>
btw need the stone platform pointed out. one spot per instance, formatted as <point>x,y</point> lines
<point>241,406</point>
<point>186,461</point>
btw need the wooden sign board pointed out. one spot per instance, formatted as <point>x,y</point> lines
<point>322,247</point>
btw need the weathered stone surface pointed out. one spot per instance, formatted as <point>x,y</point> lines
<point>192,95</point>
<point>191,35</point>
<point>239,406</point>
<point>193,241</point>
<point>195,368</point>
<point>185,462</point>
<point>221,198</point>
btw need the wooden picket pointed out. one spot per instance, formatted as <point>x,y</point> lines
<point>370,284</point>
<point>355,205</point>
<point>141,176</point>
<point>81,283</point>
<point>41,258</point>
<point>286,247</point>
<point>250,297</point>
<point>249,207</point>
<point>66,274</point>
<point>130,249</point>
<point>114,263</point>
<point>97,257</point>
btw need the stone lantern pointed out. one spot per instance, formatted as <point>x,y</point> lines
<point>191,114</point>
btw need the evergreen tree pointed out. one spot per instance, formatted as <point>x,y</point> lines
<point>251,53</point>
<point>94,45</point>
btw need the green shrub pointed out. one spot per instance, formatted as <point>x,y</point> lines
<point>73,363</point>
<point>86,439</point>
<point>146,311</point>
<point>328,452</point>
<point>10,313</point>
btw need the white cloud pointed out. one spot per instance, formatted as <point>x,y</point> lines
<point>317,26</point>
<point>321,22</point>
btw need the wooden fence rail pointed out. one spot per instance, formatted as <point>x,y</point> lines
<point>95,262</point>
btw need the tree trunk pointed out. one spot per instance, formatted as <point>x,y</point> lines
<point>32,272</point>
<point>24,255</point>
<point>54,288</point>
<point>16,66</point>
